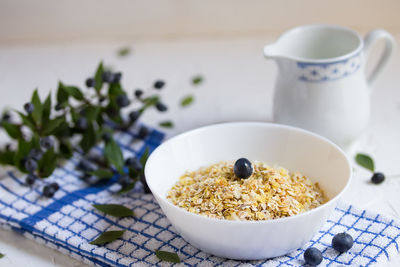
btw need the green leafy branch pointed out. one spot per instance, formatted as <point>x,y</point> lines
<point>47,134</point>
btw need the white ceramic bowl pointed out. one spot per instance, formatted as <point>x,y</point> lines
<point>289,147</point>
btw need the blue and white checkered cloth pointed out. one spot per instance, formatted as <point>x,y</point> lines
<point>68,222</point>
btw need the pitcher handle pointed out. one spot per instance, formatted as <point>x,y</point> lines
<point>390,44</point>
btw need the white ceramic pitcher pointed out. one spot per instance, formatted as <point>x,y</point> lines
<point>321,85</point>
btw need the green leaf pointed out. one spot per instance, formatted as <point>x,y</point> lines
<point>102,174</point>
<point>98,77</point>
<point>144,157</point>
<point>14,131</point>
<point>126,189</point>
<point>113,109</point>
<point>143,160</point>
<point>151,100</point>
<point>65,149</point>
<point>100,118</point>
<point>47,163</point>
<point>62,95</point>
<point>113,154</point>
<point>167,256</point>
<point>63,130</point>
<point>186,101</point>
<point>117,119</point>
<point>74,115</point>
<point>7,157</point>
<point>37,112</point>
<point>74,91</point>
<point>23,149</point>
<point>114,210</point>
<point>52,125</point>
<point>196,80</point>
<point>133,174</point>
<point>107,237</point>
<point>46,109</point>
<point>166,124</point>
<point>115,90</point>
<point>2,255</point>
<point>35,141</point>
<point>89,138</point>
<point>365,161</point>
<point>92,112</point>
<point>27,120</point>
<point>64,91</point>
<point>124,51</point>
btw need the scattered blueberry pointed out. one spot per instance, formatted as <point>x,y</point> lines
<point>86,166</point>
<point>377,178</point>
<point>143,132</point>
<point>161,107</point>
<point>138,93</point>
<point>29,107</point>
<point>312,256</point>
<point>55,185</point>
<point>106,137</point>
<point>46,142</point>
<point>90,82</point>
<point>146,188</point>
<point>342,242</point>
<point>30,179</point>
<point>159,84</point>
<point>124,180</point>
<point>107,76</point>
<point>50,189</point>
<point>35,154</point>
<point>134,115</point>
<point>30,165</point>
<point>81,123</point>
<point>117,77</point>
<point>133,163</point>
<point>243,168</point>
<point>6,116</point>
<point>122,101</point>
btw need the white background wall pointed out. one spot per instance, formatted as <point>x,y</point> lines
<point>60,20</point>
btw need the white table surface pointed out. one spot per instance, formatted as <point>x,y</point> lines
<point>238,86</point>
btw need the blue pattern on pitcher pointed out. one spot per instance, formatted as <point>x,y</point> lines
<point>321,72</point>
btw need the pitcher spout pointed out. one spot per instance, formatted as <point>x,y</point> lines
<point>271,51</point>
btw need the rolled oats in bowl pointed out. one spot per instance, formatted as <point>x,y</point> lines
<point>266,192</point>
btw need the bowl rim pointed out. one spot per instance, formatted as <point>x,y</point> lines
<point>258,124</point>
